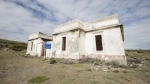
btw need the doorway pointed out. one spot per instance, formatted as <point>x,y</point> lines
<point>43,50</point>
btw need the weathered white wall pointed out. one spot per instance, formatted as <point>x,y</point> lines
<point>36,48</point>
<point>111,40</point>
<point>71,45</point>
<point>113,47</point>
<point>81,42</point>
<point>40,42</point>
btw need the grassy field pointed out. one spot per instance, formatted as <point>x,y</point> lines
<point>17,68</point>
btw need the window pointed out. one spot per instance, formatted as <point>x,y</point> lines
<point>31,45</point>
<point>63,43</point>
<point>98,39</point>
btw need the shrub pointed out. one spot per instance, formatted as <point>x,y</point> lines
<point>52,61</point>
<point>140,51</point>
<point>135,60</point>
<point>18,47</point>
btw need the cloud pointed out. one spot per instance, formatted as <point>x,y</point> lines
<point>137,35</point>
<point>20,18</point>
<point>18,22</point>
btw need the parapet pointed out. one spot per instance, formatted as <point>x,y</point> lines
<point>40,35</point>
<point>102,23</point>
<point>71,25</point>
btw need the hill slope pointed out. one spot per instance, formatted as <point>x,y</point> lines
<point>14,45</point>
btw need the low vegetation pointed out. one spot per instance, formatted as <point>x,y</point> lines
<point>14,45</point>
<point>52,61</point>
<point>38,79</point>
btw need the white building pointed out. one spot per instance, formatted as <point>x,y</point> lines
<point>36,43</point>
<point>102,38</point>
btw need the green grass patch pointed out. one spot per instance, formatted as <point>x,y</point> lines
<point>38,79</point>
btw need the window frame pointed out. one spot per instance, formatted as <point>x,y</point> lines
<point>98,47</point>
<point>63,47</point>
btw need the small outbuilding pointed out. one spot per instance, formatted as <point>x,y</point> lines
<point>39,44</point>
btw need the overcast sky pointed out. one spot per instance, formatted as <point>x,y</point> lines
<point>20,18</point>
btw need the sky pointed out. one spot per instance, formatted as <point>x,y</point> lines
<point>20,18</point>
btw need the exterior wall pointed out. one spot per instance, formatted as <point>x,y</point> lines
<point>81,43</point>
<point>36,47</point>
<point>112,42</point>
<point>39,44</point>
<point>71,45</point>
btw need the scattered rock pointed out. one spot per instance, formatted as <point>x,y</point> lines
<point>105,69</point>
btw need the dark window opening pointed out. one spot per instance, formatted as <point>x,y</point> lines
<point>31,46</point>
<point>63,43</point>
<point>98,39</point>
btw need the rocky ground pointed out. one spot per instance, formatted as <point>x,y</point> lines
<point>17,68</point>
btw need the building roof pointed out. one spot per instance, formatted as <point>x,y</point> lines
<point>88,26</point>
<point>40,35</point>
<point>98,24</point>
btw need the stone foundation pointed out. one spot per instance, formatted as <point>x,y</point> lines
<point>121,59</point>
<point>107,58</point>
